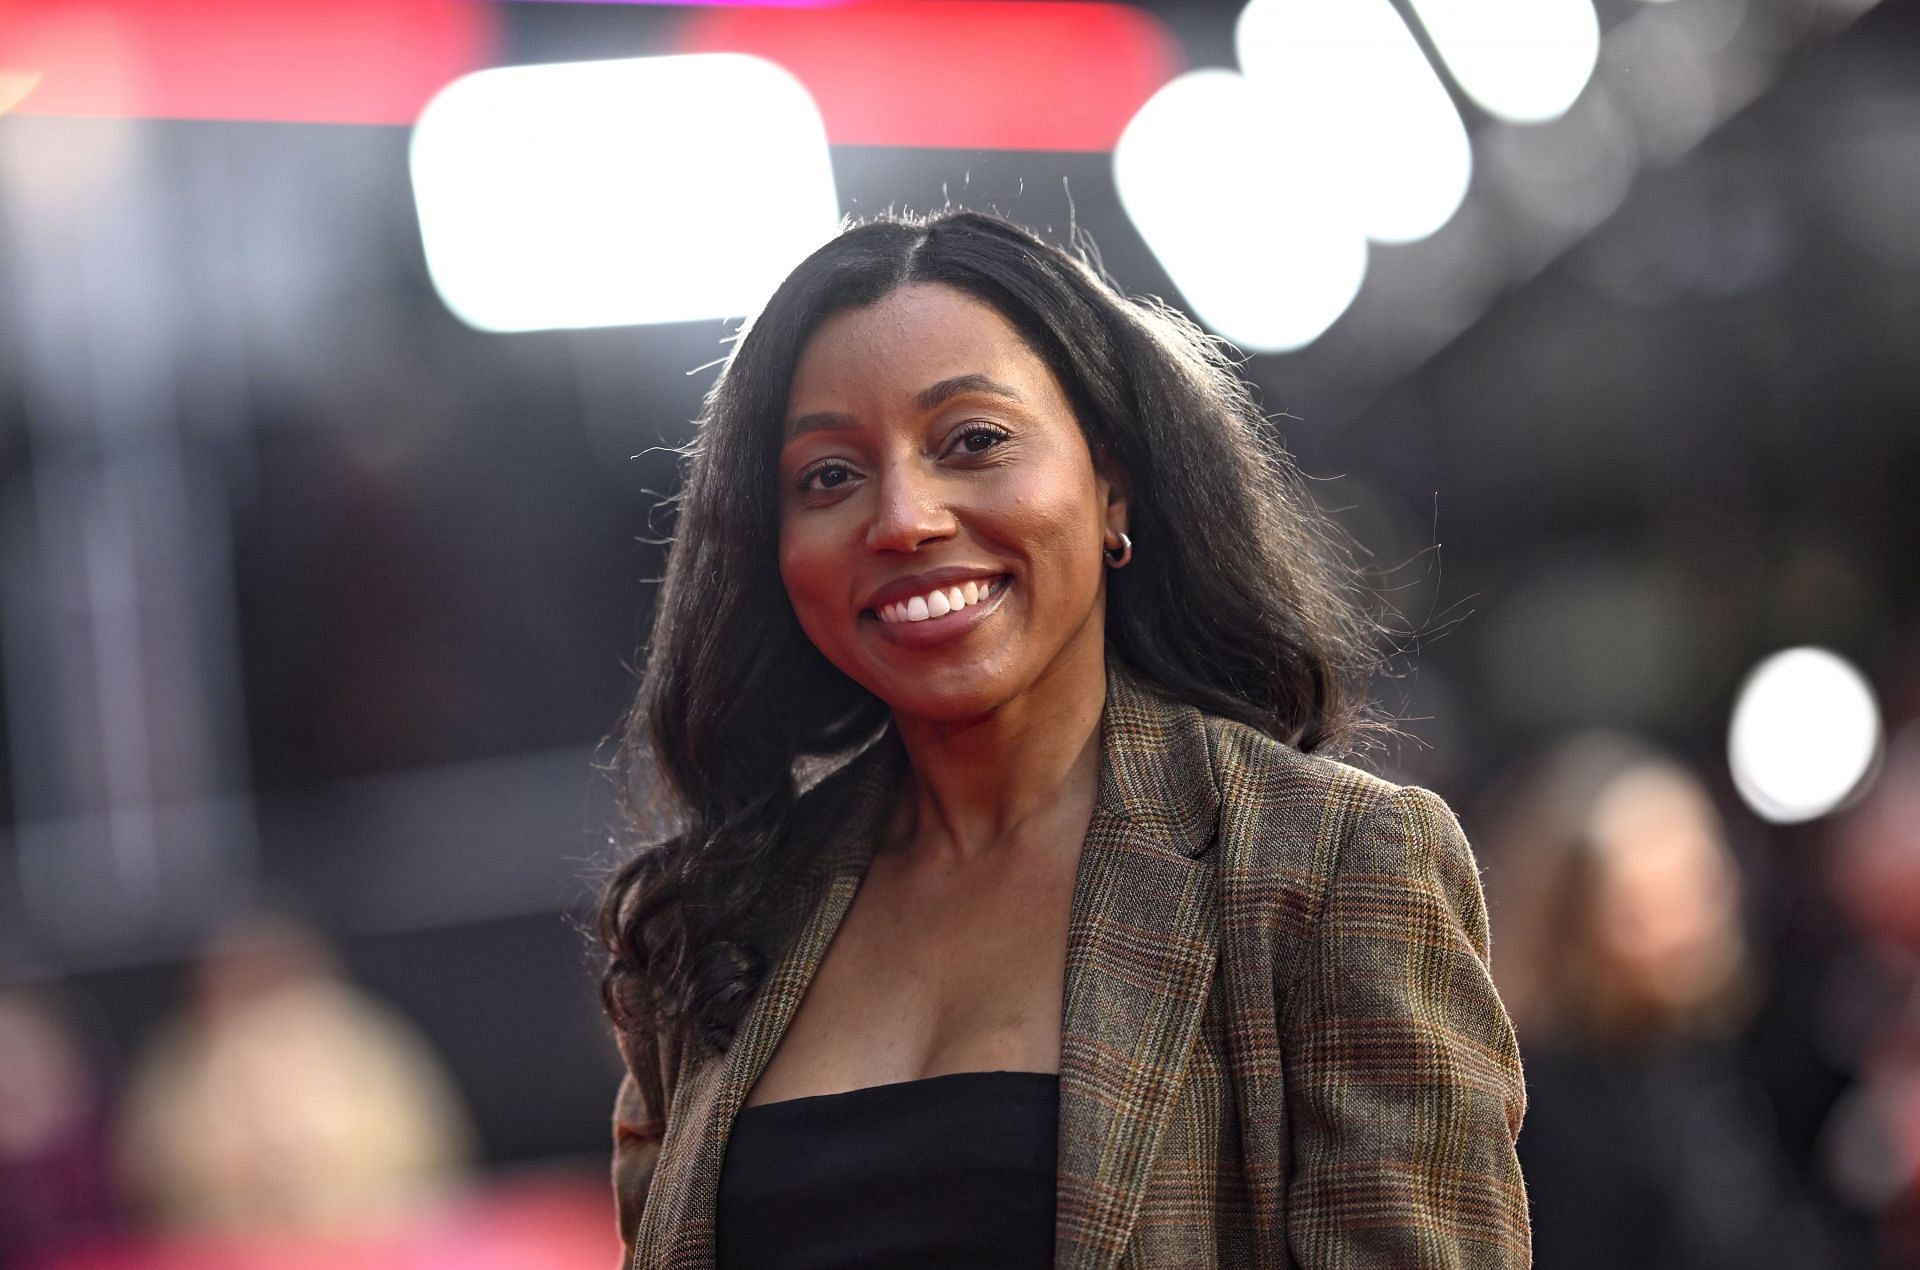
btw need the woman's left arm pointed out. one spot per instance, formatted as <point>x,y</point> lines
<point>1403,1077</point>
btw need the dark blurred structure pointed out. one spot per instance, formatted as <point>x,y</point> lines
<point>312,593</point>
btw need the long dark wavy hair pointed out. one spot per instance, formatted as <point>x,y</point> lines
<point>1240,598</point>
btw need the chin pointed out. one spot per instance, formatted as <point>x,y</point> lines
<point>946,695</point>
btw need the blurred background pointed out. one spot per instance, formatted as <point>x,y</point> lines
<point>343,348</point>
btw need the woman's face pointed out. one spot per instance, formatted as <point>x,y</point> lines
<point>1666,908</point>
<point>931,456</point>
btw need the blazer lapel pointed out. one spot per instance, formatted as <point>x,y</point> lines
<point>677,1226</point>
<point>1140,955</point>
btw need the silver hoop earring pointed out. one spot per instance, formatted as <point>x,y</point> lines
<point>1117,558</point>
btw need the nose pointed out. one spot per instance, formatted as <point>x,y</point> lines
<point>908,511</point>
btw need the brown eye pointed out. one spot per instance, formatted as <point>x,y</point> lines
<point>980,438</point>
<point>825,478</point>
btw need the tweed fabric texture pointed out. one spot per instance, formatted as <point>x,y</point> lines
<point>1281,1045</point>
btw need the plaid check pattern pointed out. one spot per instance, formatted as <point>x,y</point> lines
<point>1281,1044</point>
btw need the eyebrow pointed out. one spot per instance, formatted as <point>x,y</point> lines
<point>929,398</point>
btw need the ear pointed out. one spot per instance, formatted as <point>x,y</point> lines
<point>1110,480</point>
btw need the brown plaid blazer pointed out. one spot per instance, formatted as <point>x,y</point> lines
<point>1281,1044</point>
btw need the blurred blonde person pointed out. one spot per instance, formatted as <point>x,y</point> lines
<point>286,1098</point>
<point>1619,901</point>
<point>1624,962</point>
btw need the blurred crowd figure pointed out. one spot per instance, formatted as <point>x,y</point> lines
<point>1872,1141</point>
<point>1617,909</point>
<point>284,1098</point>
<point>55,1157</point>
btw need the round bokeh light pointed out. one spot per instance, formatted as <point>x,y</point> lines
<point>1805,731</point>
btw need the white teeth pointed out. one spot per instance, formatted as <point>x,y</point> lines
<point>939,603</point>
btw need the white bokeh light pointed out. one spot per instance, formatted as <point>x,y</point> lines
<point>1352,74</point>
<point>611,193</point>
<point>1805,730</point>
<point>1240,211</point>
<point>1523,60</point>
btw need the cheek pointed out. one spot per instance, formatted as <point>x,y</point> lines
<point>815,567</point>
<point>805,571</point>
<point>1058,517</point>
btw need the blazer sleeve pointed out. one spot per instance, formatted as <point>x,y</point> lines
<point>1404,1082</point>
<point>639,1125</point>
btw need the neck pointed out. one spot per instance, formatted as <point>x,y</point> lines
<point>1026,773</point>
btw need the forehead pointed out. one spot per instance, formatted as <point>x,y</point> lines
<point>914,336</point>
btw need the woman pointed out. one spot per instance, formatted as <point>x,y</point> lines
<point>1089,955</point>
<point>1624,962</point>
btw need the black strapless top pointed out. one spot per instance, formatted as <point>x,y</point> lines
<point>950,1173</point>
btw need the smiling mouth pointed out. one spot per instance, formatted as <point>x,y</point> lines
<point>940,601</point>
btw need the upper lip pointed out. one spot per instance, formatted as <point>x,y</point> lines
<point>920,583</point>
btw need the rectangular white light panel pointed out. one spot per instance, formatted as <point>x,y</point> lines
<point>613,193</point>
